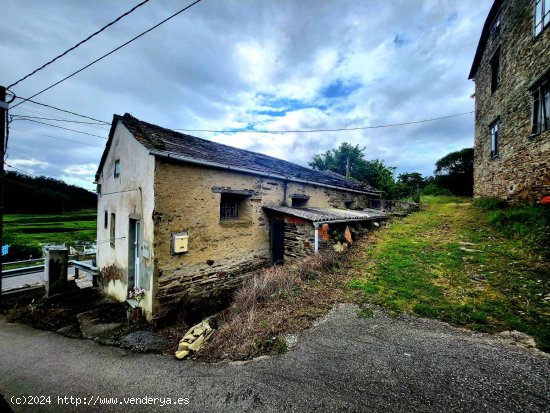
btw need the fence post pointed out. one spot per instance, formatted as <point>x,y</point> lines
<point>56,264</point>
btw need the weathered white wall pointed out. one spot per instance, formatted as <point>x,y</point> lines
<point>122,196</point>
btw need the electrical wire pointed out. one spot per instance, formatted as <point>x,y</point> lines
<point>55,137</point>
<point>79,43</point>
<point>111,52</point>
<point>61,127</point>
<point>324,130</point>
<point>59,109</point>
<point>57,119</point>
<point>21,170</point>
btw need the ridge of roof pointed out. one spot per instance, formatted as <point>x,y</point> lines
<point>156,138</point>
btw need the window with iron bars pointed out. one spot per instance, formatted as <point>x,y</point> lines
<point>229,206</point>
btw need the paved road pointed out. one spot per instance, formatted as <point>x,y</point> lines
<point>344,364</point>
<point>35,278</point>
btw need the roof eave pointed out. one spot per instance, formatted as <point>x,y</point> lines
<point>483,38</point>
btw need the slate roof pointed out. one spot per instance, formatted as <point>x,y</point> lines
<point>329,214</point>
<point>167,141</point>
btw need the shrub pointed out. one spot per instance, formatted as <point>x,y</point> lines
<point>530,222</point>
<point>433,189</point>
<point>490,204</point>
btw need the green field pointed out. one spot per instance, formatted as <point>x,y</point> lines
<point>26,234</point>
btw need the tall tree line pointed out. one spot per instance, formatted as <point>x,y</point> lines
<point>41,195</point>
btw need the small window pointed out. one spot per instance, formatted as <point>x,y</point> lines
<point>494,128</point>
<point>495,71</point>
<point>541,107</point>
<point>229,206</point>
<point>495,28</point>
<point>105,220</point>
<point>112,234</point>
<point>117,168</point>
<point>299,202</point>
<point>349,204</point>
<point>542,15</point>
<point>98,189</point>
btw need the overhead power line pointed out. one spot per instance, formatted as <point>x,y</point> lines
<point>111,52</point>
<point>56,137</point>
<point>21,170</point>
<point>59,109</point>
<point>324,130</point>
<point>56,119</point>
<point>61,127</point>
<point>79,43</point>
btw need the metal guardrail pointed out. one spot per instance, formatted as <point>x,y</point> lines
<point>92,256</point>
<point>23,270</point>
<point>78,265</point>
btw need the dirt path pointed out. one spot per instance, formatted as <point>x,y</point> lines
<point>343,364</point>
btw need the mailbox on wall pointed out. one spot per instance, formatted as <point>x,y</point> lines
<point>179,243</point>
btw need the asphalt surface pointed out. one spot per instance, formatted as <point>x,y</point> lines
<point>36,278</point>
<point>344,364</point>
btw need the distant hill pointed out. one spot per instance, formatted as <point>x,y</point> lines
<point>24,194</point>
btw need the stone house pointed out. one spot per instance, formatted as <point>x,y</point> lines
<point>511,70</point>
<point>187,219</point>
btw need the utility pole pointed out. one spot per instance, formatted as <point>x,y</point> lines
<point>3,109</point>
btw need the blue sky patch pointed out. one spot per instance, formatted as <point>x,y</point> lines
<point>339,90</point>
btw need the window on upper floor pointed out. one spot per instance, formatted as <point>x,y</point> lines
<point>495,28</point>
<point>495,71</point>
<point>541,106</point>
<point>117,168</point>
<point>105,219</point>
<point>542,15</point>
<point>494,129</point>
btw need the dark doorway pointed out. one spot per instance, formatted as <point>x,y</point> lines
<point>277,241</point>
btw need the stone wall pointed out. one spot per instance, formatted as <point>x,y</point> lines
<point>299,237</point>
<point>220,252</point>
<point>521,171</point>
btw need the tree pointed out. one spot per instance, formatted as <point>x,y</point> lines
<point>455,172</point>
<point>347,160</point>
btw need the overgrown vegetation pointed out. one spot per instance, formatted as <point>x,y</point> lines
<point>528,222</point>
<point>26,234</point>
<point>280,300</point>
<point>449,262</point>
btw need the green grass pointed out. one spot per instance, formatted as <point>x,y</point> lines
<point>448,262</point>
<point>27,233</point>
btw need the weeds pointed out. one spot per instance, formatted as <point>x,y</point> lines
<point>277,301</point>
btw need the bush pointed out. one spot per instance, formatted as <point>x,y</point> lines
<point>433,189</point>
<point>490,204</point>
<point>530,222</point>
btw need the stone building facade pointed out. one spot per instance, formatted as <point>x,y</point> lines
<point>511,70</point>
<point>158,187</point>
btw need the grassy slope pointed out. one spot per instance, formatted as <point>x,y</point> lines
<point>447,262</point>
<point>28,229</point>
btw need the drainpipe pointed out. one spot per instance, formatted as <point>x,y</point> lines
<point>285,185</point>
<point>316,248</point>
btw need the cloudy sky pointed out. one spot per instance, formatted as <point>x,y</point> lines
<point>245,65</point>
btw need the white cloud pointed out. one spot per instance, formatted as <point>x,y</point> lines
<point>233,64</point>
